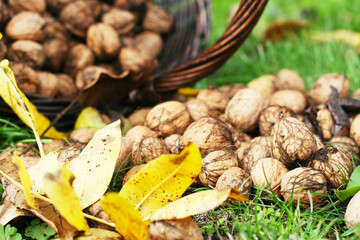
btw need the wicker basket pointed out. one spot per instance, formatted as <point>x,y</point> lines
<point>184,59</point>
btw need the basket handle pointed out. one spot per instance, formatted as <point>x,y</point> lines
<point>209,61</point>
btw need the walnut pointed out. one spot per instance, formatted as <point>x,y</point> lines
<point>322,90</point>
<point>132,172</point>
<point>78,57</point>
<point>168,118</point>
<point>54,146</point>
<point>292,141</point>
<point>174,143</point>
<point>4,12</point>
<point>180,229</point>
<point>346,144</point>
<point>82,135</point>
<point>296,184</point>
<point>270,116</point>
<point>55,51</point>
<point>151,41</point>
<point>88,75</point>
<point>267,173</point>
<point>215,164</point>
<point>356,94</point>
<point>289,79</point>
<point>355,129</point>
<point>244,109</point>
<point>28,5</point>
<point>319,142</point>
<point>235,177</point>
<point>103,40</point>
<point>334,164</point>
<point>124,157</point>
<point>197,108</point>
<point>326,123</point>
<point>29,52</point>
<point>242,151</point>
<point>96,211</point>
<point>149,149</point>
<point>121,20</point>
<point>262,140</point>
<point>54,29</point>
<point>135,59</point>
<point>292,99</point>
<point>26,26</point>
<point>77,17</point>
<point>352,216</point>
<point>68,88</point>
<point>68,153</point>
<point>238,136</point>
<point>138,116</point>
<point>208,134</point>
<point>57,5</point>
<point>128,41</point>
<point>26,77</point>
<point>48,84</point>
<point>214,98</point>
<point>254,153</point>
<point>3,50</point>
<point>137,133</point>
<point>157,19</point>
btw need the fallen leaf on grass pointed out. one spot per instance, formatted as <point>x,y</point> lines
<point>58,188</point>
<point>128,221</point>
<point>352,188</point>
<point>25,180</point>
<point>89,118</point>
<point>99,234</point>
<point>162,180</point>
<point>284,29</point>
<point>342,36</point>
<point>22,107</point>
<point>94,167</point>
<point>195,203</point>
<point>8,212</point>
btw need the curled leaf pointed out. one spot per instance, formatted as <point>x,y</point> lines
<point>59,190</point>
<point>162,180</point>
<point>127,220</point>
<point>89,118</point>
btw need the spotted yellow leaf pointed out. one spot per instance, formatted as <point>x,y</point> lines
<point>89,118</point>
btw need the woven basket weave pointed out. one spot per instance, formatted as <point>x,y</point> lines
<point>184,58</point>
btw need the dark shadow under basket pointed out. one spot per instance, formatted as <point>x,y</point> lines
<point>184,58</point>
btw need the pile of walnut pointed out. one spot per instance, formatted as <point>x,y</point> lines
<point>56,47</point>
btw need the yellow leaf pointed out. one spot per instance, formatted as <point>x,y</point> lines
<point>342,36</point>
<point>127,220</point>
<point>25,180</point>
<point>188,92</point>
<point>89,118</point>
<point>22,107</point>
<point>162,180</point>
<point>1,36</point>
<point>58,188</point>
<point>264,84</point>
<point>94,167</point>
<point>193,204</point>
<point>99,234</point>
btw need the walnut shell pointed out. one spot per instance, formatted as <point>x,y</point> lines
<point>292,142</point>
<point>214,98</point>
<point>149,149</point>
<point>26,26</point>
<point>88,75</point>
<point>138,116</point>
<point>180,229</point>
<point>57,5</point>
<point>54,146</point>
<point>326,123</point>
<point>197,108</point>
<point>352,214</point>
<point>346,144</point>
<point>355,129</point>
<point>262,140</point>
<point>157,19</point>
<point>137,133</point>
<point>82,135</point>
<point>68,88</point>
<point>55,50</point>
<point>267,173</point>
<point>121,20</point>
<point>334,164</point>
<point>208,134</point>
<point>29,52</point>
<point>289,79</point>
<point>54,29</point>
<point>319,142</point>
<point>235,177</point>
<point>254,154</point>
<point>215,164</point>
<point>124,157</point>
<point>244,109</point>
<point>242,151</point>
<point>174,143</point>
<point>28,5</point>
<point>26,77</point>
<point>296,183</point>
<point>135,59</point>
<point>132,172</point>
<point>103,40</point>
<point>270,116</point>
<point>322,90</point>
<point>292,99</point>
<point>48,84</point>
<point>77,17</point>
<point>78,57</point>
<point>151,41</point>
<point>168,118</point>
<point>3,50</point>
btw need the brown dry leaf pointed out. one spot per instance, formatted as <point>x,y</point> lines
<point>195,203</point>
<point>94,167</point>
<point>8,212</point>
<point>99,234</point>
<point>162,180</point>
<point>283,29</point>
